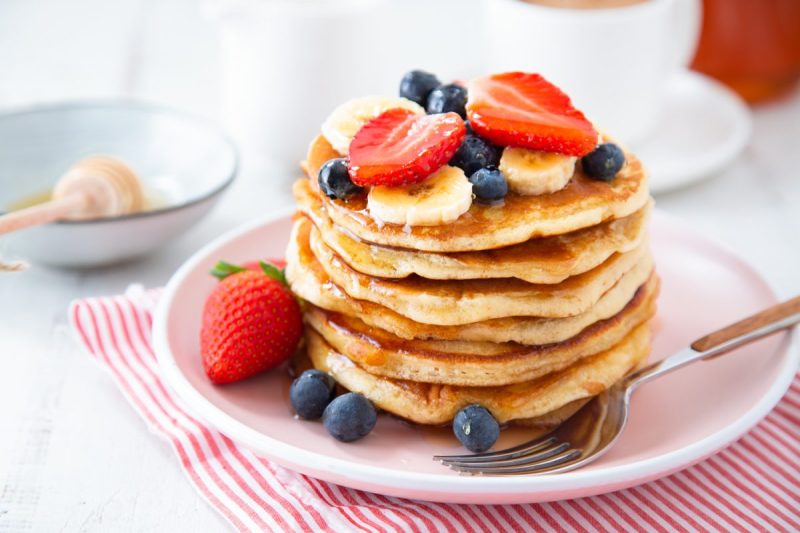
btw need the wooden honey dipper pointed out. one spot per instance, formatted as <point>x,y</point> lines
<point>94,187</point>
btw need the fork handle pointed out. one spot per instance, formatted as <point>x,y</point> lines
<point>773,319</point>
<point>748,325</point>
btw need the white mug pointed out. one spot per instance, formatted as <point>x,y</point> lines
<point>613,62</point>
<point>285,64</point>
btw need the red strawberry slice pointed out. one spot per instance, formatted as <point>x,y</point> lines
<point>400,147</point>
<point>526,110</point>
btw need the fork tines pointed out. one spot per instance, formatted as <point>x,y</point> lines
<point>532,457</point>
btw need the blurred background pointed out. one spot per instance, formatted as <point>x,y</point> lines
<point>710,104</point>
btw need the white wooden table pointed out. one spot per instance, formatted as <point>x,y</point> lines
<point>73,455</point>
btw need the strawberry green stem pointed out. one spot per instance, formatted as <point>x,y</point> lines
<point>223,269</point>
<point>274,272</point>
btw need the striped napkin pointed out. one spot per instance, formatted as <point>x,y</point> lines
<point>753,485</point>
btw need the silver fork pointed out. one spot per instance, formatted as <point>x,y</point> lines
<point>593,429</point>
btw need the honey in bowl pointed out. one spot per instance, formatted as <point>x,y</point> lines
<point>30,201</point>
<point>153,199</point>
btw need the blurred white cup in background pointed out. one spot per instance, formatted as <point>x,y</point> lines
<point>613,62</point>
<point>285,64</point>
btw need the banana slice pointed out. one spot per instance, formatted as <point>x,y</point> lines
<point>440,199</point>
<point>345,121</point>
<point>530,172</point>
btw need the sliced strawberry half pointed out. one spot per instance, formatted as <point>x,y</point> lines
<point>526,110</point>
<point>400,147</point>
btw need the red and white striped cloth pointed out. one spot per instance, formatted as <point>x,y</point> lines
<point>753,485</point>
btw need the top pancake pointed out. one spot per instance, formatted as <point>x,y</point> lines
<point>582,203</point>
<point>547,260</point>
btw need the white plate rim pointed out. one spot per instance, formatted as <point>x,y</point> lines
<point>582,482</point>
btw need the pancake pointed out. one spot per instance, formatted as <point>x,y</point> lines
<point>547,260</point>
<point>538,425</point>
<point>582,203</point>
<point>464,301</point>
<point>472,363</point>
<point>425,403</point>
<point>310,281</point>
<point>541,425</point>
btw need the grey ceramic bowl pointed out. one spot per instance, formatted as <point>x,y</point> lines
<point>184,162</point>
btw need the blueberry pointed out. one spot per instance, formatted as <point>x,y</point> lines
<point>489,184</point>
<point>476,428</point>
<point>603,162</point>
<point>475,154</point>
<point>349,417</point>
<point>417,85</point>
<point>447,98</point>
<point>334,180</point>
<point>311,393</point>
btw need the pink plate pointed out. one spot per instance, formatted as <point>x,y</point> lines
<point>675,421</point>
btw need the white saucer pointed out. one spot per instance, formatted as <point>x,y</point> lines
<point>703,128</point>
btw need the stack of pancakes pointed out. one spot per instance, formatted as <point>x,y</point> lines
<point>528,308</point>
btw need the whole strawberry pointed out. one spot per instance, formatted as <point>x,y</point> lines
<point>251,323</point>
